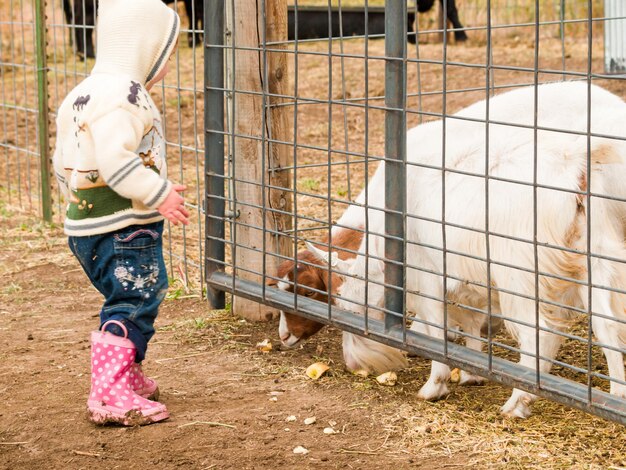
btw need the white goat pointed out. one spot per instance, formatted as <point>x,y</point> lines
<point>562,177</point>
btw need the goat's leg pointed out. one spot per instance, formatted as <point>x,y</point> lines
<point>194,10</point>
<point>608,307</point>
<point>607,330</point>
<point>91,6</point>
<point>199,12</point>
<point>522,309</point>
<point>84,20</point>
<point>437,385</point>
<point>608,333</point>
<point>68,10</point>
<point>519,404</point>
<point>470,323</point>
<point>453,16</point>
<point>473,342</point>
<point>429,310</point>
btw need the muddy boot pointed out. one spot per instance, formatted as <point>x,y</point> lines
<point>112,399</point>
<point>142,384</point>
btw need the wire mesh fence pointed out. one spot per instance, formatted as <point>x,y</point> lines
<point>295,128</point>
<point>457,237</point>
<point>18,89</point>
<point>68,32</point>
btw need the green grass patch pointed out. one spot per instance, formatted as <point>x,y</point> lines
<point>310,184</point>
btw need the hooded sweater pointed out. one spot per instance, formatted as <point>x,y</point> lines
<point>110,148</point>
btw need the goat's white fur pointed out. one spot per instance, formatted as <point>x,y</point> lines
<point>561,222</point>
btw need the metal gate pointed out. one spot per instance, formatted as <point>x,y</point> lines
<point>346,107</point>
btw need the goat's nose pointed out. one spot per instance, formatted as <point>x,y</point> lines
<point>352,362</point>
<point>290,340</point>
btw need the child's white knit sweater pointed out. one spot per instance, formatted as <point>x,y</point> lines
<point>110,150</point>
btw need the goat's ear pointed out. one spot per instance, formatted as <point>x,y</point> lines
<point>332,258</point>
<point>319,254</point>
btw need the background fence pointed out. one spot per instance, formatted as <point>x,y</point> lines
<point>317,123</point>
<point>180,100</point>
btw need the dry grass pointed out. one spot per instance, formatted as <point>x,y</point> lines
<point>553,438</point>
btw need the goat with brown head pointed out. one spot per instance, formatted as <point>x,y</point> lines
<point>311,277</point>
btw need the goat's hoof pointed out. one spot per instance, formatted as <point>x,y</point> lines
<point>517,407</point>
<point>432,391</point>
<point>468,379</point>
<point>460,36</point>
<point>194,41</point>
<point>451,336</point>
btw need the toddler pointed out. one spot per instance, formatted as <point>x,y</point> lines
<point>110,164</point>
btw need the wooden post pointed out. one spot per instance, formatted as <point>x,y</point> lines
<point>43,110</point>
<point>256,160</point>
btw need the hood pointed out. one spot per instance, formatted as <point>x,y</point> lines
<point>135,37</point>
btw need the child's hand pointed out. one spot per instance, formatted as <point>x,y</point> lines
<point>173,208</point>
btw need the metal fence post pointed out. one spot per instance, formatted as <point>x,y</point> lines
<point>395,158</point>
<point>42,100</point>
<point>614,36</point>
<point>214,146</point>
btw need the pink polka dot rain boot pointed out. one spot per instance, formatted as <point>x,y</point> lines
<point>112,398</point>
<point>142,384</point>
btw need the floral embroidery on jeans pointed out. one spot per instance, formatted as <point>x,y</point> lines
<point>125,275</point>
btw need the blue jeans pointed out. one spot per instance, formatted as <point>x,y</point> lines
<point>127,268</point>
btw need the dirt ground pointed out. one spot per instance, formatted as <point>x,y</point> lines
<point>229,402</point>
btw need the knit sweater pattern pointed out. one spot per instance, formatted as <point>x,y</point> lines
<point>110,156</point>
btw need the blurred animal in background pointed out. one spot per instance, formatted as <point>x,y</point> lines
<point>451,12</point>
<point>313,22</point>
<point>320,22</point>
<point>81,15</point>
<point>195,13</point>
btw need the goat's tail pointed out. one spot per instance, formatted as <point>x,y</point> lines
<point>364,354</point>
